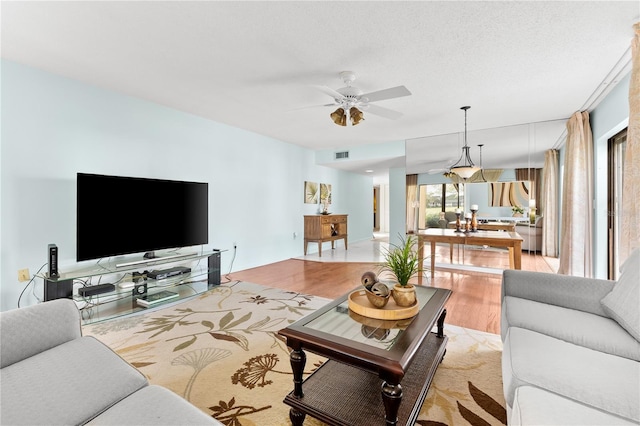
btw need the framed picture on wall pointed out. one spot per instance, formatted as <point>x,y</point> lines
<point>311,192</point>
<point>325,193</point>
<point>508,194</point>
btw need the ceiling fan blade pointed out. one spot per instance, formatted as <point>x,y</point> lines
<point>310,107</point>
<point>329,91</point>
<point>381,95</point>
<point>383,112</point>
<point>434,171</point>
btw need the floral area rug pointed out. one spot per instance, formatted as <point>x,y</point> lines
<point>221,351</point>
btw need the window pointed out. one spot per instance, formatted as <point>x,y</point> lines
<point>437,198</point>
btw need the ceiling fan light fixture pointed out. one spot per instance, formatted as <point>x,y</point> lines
<point>339,117</point>
<point>356,116</point>
<point>349,97</point>
<point>464,167</point>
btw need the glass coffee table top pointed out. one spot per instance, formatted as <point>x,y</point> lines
<point>374,365</point>
<point>340,321</point>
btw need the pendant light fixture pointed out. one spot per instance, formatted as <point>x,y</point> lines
<point>464,167</point>
<point>484,179</point>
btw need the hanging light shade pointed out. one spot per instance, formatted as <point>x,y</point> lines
<point>339,117</point>
<point>356,116</point>
<point>464,167</point>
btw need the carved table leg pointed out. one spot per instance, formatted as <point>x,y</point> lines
<point>296,417</point>
<point>298,360</point>
<point>391,397</point>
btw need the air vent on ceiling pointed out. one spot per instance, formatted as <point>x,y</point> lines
<point>342,155</point>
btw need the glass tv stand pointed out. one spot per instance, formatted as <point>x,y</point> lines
<point>128,281</point>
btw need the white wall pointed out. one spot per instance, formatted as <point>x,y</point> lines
<point>397,204</point>
<point>53,127</point>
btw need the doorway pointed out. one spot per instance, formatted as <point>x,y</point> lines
<point>376,208</point>
<point>616,151</point>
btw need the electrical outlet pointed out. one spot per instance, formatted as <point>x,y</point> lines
<point>23,275</point>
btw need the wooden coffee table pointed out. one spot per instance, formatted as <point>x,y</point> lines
<point>378,370</point>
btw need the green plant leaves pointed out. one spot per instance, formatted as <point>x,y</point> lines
<point>402,260</point>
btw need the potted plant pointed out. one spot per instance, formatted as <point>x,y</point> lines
<point>517,211</point>
<point>403,262</point>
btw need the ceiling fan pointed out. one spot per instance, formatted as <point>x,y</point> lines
<point>439,170</point>
<point>441,166</point>
<point>351,99</point>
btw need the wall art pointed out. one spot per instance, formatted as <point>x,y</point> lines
<point>311,193</point>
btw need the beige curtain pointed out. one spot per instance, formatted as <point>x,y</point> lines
<point>412,197</point>
<point>631,185</point>
<point>549,207</point>
<point>576,235</point>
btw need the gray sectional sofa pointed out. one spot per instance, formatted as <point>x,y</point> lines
<point>571,348</point>
<point>531,235</point>
<point>51,375</point>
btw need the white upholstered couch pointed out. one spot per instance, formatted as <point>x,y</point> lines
<point>51,375</point>
<point>571,348</point>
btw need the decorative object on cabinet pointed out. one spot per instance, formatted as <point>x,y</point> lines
<point>322,228</point>
<point>310,192</point>
<point>325,197</point>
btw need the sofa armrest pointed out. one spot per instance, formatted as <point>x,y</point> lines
<point>583,294</point>
<point>28,331</point>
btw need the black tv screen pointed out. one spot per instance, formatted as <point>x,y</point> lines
<point>119,215</point>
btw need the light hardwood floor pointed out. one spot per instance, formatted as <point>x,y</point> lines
<point>475,299</point>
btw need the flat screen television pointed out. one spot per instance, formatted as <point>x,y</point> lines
<point>119,215</point>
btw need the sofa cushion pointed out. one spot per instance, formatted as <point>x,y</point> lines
<point>557,410</point>
<point>623,301</point>
<point>33,329</point>
<point>582,328</point>
<point>606,382</point>
<point>153,405</point>
<point>68,384</point>
<point>580,293</point>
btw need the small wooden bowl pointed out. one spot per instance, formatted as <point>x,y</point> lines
<point>381,299</point>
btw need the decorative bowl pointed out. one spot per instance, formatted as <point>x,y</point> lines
<point>379,295</point>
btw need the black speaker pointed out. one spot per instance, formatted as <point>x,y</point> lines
<point>57,289</point>
<point>53,261</point>
<point>214,269</point>
<point>139,290</point>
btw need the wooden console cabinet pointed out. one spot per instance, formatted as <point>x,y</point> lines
<point>324,227</point>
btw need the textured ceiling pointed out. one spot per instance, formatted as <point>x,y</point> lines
<point>254,65</point>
